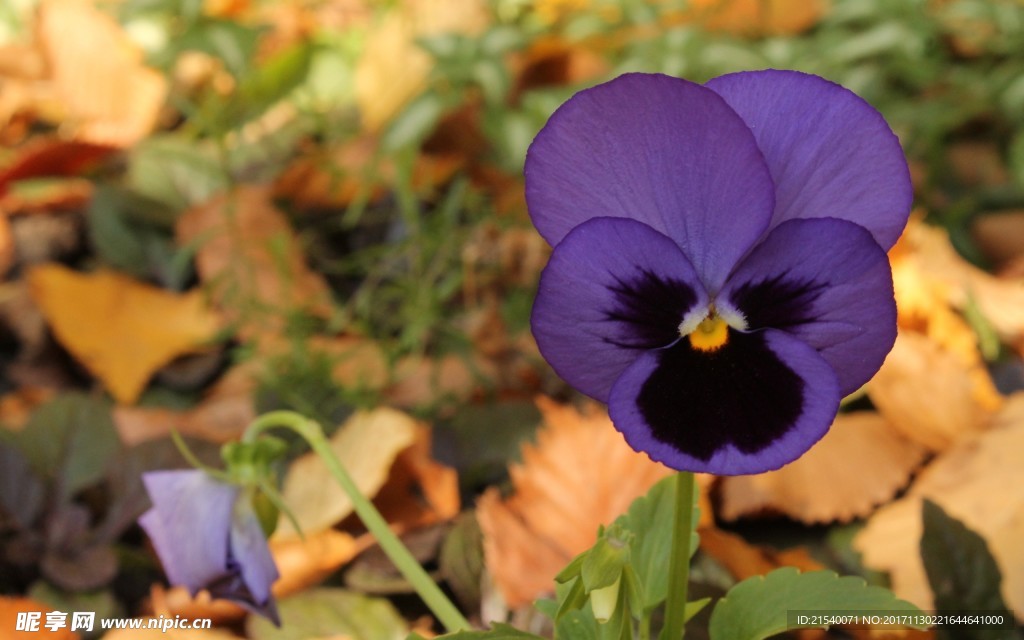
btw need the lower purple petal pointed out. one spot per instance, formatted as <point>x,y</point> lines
<point>250,551</point>
<point>613,289</point>
<point>754,404</point>
<point>826,282</point>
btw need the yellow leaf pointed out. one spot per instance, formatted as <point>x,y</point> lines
<point>393,67</point>
<point>580,474</point>
<point>977,482</point>
<point>1000,300</point>
<point>111,97</point>
<point>367,445</point>
<point>120,329</point>
<point>860,463</point>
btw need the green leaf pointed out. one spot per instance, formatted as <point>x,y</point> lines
<point>233,43</point>
<point>70,441</point>
<point>961,570</point>
<point>414,123</point>
<point>258,90</point>
<point>21,491</point>
<point>461,560</point>
<point>758,607</point>
<point>321,613</point>
<point>497,632</point>
<point>651,519</point>
<point>174,171</point>
<point>123,239</point>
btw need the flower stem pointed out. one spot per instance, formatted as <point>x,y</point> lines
<point>679,560</point>
<point>425,586</point>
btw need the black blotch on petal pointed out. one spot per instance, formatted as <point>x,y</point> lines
<point>777,302</point>
<point>652,308</point>
<point>739,394</point>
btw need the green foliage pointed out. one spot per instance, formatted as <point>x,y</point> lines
<point>963,575</point>
<point>325,612</point>
<point>69,442</point>
<point>757,607</point>
<point>613,589</point>
<point>497,632</point>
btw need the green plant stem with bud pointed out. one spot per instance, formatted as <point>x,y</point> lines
<point>679,559</point>
<point>310,430</point>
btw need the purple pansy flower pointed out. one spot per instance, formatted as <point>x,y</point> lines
<point>209,537</point>
<point>719,275</point>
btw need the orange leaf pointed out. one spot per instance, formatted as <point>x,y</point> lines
<point>307,561</point>
<point>419,491</point>
<point>860,463</point>
<point>250,258</point>
<point>744,560</point>
<point>111,96</point>
<point>757,17</point>
<point>122,330</point>
<point>579,475</point>
<point>11,607</point>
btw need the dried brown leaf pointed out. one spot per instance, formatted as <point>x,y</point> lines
<point>859,464</point>
<point>975,482</point>
<point>929,395</point>
<point>251,260</point>
<point>226,409</point>
<point>579,475</point>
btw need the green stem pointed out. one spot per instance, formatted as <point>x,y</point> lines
<point>679,560</point>
<point>425,586</point>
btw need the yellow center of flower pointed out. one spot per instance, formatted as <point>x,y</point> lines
<point>711,334</point>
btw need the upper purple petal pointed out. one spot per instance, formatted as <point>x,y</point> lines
<point>189,525</point>
<point>752,405</point>
<point>831,154</point>
<point>826,282</point>
<point>612,289</point>
<point>661,150</point>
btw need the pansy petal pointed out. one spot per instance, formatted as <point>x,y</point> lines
<point>831,154</point>
<point>612,289</point>
<point>250,551</point>
<point>661,150</point>
<point>752,405</point>
<point>826,282</point>
<point>189,525</point>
